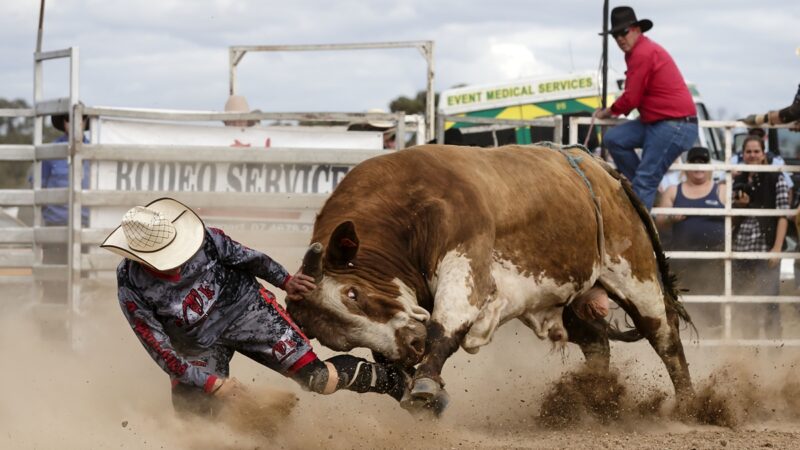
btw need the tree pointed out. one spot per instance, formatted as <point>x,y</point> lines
<point>414,105</point>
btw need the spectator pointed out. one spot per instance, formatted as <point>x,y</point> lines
<point>55,174</point>
<point>772,158</point>
<point>758,190</point>
<point>191,296</point>
<point>238,104</point>
<point>697,233</point>
<point>387,127</point>
<point>667,123</point>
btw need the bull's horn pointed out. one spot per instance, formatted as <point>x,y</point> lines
<point>312,261</point>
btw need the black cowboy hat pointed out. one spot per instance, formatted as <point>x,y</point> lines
<point>698,154</point>
<point>623,17</point>
<point>58,121</point>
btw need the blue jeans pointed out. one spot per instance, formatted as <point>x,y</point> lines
<point>661,143</point>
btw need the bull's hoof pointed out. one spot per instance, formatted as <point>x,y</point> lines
<point>425,397</point>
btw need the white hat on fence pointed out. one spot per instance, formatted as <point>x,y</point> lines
<point>380,123</point>
<point>238,104</point>
<point>163,235</point>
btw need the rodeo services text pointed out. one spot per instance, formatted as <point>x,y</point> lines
<point>221,177</point>
<point>522,90</point>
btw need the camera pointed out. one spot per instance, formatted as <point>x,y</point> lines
<point>740,187</point>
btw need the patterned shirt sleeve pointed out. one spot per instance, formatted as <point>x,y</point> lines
<point>782,194</point>
<point>152,336</point>
<point>234,254</point>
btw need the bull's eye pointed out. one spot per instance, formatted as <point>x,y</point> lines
<point>352,294</point>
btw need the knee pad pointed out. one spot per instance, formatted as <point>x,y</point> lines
<point>313,377</point>
<point>360,375</point>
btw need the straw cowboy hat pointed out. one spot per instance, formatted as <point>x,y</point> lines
<point>373,125</point>
<point>238,104</point>
<point>623,17</point>
<point>163,235</point>
<point>380,123</point>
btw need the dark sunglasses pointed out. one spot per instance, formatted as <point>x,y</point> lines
<point>621,33</point>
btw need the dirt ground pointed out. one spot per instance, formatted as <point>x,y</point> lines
<point>516,393</point>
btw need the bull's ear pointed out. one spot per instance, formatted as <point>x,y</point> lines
<point>343,245</point>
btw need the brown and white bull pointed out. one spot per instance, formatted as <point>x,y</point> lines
<point>434,247</point>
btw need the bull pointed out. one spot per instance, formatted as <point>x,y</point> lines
<point>424,250</point>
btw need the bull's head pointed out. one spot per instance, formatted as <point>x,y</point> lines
<point>358,304</point>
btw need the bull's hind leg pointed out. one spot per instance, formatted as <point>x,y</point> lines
<point>644,301</point>
<point>591,336</point>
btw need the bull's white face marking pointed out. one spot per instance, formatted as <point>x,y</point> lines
<point>452,286</point>
<point>361,331</point>
<point>409,301</point>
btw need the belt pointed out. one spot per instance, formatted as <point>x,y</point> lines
<point>690,119</point>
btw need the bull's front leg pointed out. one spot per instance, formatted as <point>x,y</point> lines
<point>461,287</point>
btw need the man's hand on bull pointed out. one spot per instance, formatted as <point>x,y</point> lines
<point>299,285</point>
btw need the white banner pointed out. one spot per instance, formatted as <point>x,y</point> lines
<point>223,177</point>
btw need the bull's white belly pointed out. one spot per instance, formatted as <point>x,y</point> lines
<point>536,299</point>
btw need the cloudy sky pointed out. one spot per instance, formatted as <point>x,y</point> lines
<point>173,54</point>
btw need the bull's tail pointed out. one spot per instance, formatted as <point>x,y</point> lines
<point>631,335</point>
<point>668,279</point>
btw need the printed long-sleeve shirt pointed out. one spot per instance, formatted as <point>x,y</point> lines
<point>653,85</point>
<point>176,317</point>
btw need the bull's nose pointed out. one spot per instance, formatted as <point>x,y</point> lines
<point>556,334</point>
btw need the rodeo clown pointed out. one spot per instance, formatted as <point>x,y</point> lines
<point>191,296</point>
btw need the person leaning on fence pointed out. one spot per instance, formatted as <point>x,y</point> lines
<point>191,296</point>
<point>697,233</point>
<point>387,127</point>
<point>667,125</point>
<point>55,174</point>
<point>788,114</point>
<point>758,190</point>
<point>238,104</point>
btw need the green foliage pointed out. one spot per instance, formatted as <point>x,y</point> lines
<point>414,105</point>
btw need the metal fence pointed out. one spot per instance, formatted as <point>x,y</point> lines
<point>727,299</point>
<point>86,267</point>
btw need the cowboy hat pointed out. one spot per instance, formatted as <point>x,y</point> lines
<point>623,17</point>
<point>382,124</point>
<point>58,121</point>
<point>163,235</point>
<point>238,104</point>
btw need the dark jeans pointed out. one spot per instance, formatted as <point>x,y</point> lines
<point>754,277</point>
<point>661,142</point>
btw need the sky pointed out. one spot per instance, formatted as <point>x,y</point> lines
<point>744,56</point>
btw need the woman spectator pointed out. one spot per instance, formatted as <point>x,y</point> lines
<point>758,190</point>
<point>697,233</point>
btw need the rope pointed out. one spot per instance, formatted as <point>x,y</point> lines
<point>589,134</point>
<point>574,162</point>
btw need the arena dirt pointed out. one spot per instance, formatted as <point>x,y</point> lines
<point>105,392</point>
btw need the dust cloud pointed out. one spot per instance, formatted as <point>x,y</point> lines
<point>95,387</point>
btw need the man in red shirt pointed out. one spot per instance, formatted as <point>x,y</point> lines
<point>667,122</point>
